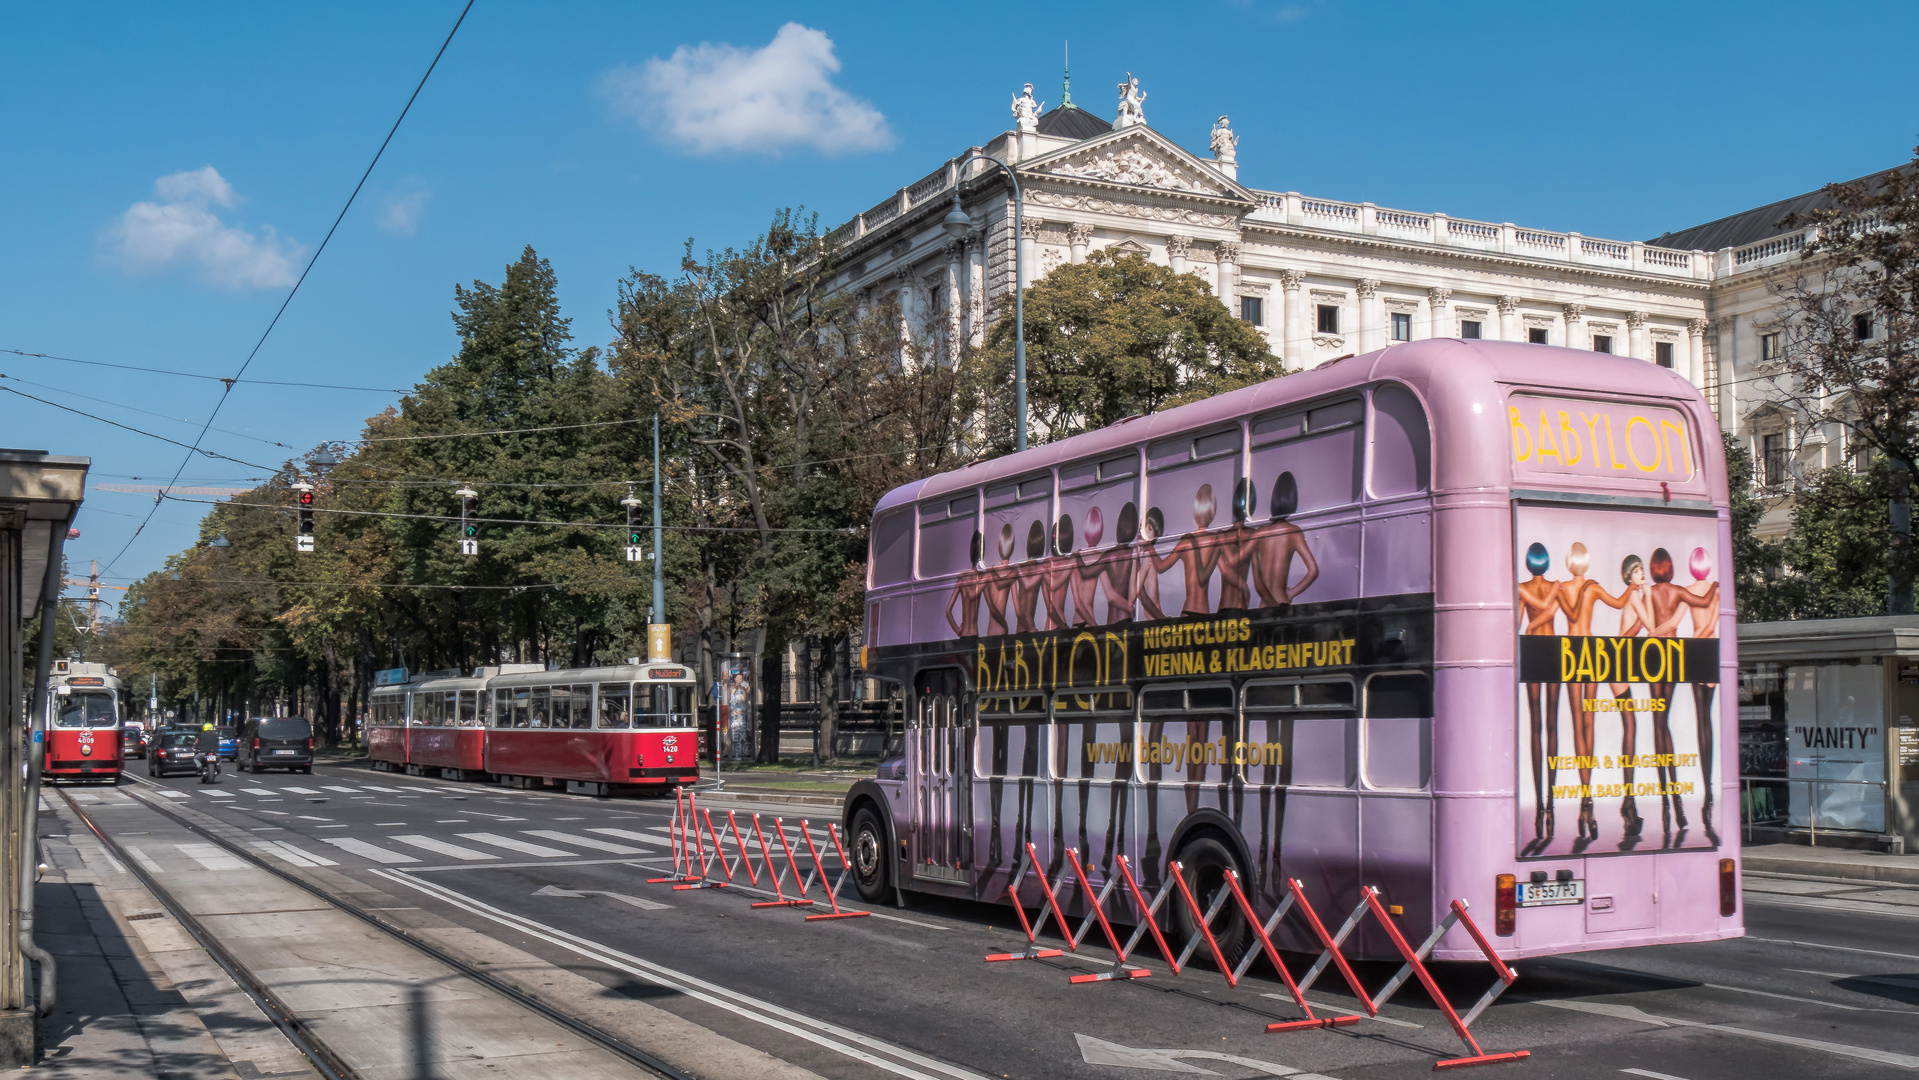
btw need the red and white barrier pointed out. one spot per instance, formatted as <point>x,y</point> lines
<point>694,863</point>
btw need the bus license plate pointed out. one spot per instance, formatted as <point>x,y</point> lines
<point>1549,893</point>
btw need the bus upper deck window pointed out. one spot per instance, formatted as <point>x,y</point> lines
<point>1401,451</point>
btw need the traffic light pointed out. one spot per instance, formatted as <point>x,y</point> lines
<point>303,497</point>
<point>633,551</point>
<point>470,517</point>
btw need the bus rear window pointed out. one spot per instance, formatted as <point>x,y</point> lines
<point>893,548</point>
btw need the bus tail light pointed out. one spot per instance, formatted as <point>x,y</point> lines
<point>1728,887</point>
<point>1504,911</point>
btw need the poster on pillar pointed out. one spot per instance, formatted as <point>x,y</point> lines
<point>1619,718</point>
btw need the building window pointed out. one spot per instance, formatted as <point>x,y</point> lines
<point>1769,347</point>
<point>1469,328</point>
<point>1537,335</point>
<point>1862,326</point>
<point>1402,326</point>
<point>1662,353</point>
<point>1602,343</point>
<point>1249,310</point>
<point>1329,318</point>
<point>1772,460</point>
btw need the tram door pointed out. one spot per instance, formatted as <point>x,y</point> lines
<point>938,776</point>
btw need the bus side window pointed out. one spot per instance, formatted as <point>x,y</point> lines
<point>1397,738</point>
<point>1401,451</point>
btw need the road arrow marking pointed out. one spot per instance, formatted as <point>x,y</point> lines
<point>1101,1052</point>
<point>643,905</point>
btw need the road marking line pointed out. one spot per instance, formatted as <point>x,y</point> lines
<point>1628,1012</point>
<point>348,790</point>
<point>218,794</point>
<point>172,794</point>
<point>257,790</point>
<point>368,851</point>
<point>1835,948</point>
<point>210,857</point>
<point>582,841</point>
<point>1323,1007</point>
<point>441,847</point>
<point>283,850</point>
<point>626,834</point>
<point>83,796</point>
<point>813,1030</point>
<point>1850,907</point>
<point>302,790</point>
<point>1650,1075</point>
<point>388,790</point>
<point>143,859</point>
<point>521,846</point>
<point>275,813</point>
<point>1785,997</point>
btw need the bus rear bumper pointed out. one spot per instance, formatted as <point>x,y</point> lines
<point>1625,939</point>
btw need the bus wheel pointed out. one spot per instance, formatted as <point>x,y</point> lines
<point>1203,862</point>
<point>869,855</point>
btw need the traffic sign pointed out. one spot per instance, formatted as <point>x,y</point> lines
<point>634,553</point>
<point>303,542</point>
<point>469,547</point>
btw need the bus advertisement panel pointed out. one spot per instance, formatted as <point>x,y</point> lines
<point>1619,649</point>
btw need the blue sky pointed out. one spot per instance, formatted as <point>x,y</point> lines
<point>170,167</point>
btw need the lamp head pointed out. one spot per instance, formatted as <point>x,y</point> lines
<point>956,223</point>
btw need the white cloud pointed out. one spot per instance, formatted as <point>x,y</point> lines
<point>180,228</point>
<point>404,206</point>
<point>714,98</point>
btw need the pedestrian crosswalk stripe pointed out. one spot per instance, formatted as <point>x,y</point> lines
<point>368,851</point>
<point>371,787</point>
<point>624,834</point>
<point>348,790</point>
<point>210,857</point>
<point>259,791</point>
<point>283,850</point>
<point>142,858</point>
<point>441,847</point>
<point>172,794</point>
<point>582,841</point>
<point>218,794</point>
<point>521,846</point>
<point>84,796</point>
<point>302,790</point>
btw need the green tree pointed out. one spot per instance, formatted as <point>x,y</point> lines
<point>1115,337</point>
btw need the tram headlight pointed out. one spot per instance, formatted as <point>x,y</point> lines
<point>1504,905</point>
<point>86,750</point>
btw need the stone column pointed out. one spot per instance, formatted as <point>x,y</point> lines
<point>1292,347</point>
<point>1575,337</point>
<point>1177,248</point>
<point>1029,248</point>
<point>1227,252</point>
<point>1077,234</point>
<point>909,309</point>
<point>1438,321</point>
<point>1696,352</point>
<point>951,286</point>
<point>976,286</point>
<point>1636,335</point>
<point>1371,328</point>
<point>1509,328</point>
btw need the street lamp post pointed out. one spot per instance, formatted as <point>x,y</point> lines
<point>957,224</point>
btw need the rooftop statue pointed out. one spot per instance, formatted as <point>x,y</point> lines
<point>1132,103</point>
<point>1225,142</point>
<point>1026,111</point>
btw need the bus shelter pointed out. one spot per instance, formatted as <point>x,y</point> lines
<point>1829,732</point>
<point>39,495</point>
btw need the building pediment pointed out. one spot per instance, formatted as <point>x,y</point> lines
<point>1139,158</point>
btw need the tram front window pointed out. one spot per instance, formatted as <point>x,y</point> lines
<point>85,711</point>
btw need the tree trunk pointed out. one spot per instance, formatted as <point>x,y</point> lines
<point>829,697</point>
<point>1899,545</point>
<point>772,691</point>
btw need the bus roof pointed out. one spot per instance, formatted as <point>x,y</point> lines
<point>1458,380</point>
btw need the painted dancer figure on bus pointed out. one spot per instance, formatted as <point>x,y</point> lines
<point>999,583</point>
<point>1060,570</point>
<point>967,590</point>
<point>1145,586</point>
<point>1669,604</point>
<point>1705,624</point>
<point>1578,597</point>
<point>1235,547</point>
<point>1635,615</point>
<point>1030,585</point>
<point>1539,605</point>
<point>1195,554</point>
<point>1276,544</point>
<point>1117,567</point>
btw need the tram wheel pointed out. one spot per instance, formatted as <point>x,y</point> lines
<point>1204,861</point>
<point>869,856</point>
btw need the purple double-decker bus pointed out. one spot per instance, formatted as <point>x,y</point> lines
<point>1444,619</point>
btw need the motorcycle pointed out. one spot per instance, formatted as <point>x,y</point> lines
<point>210,767</point>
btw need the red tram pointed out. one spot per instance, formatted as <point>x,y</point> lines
<point>594,731</point>
<point>86,714</point>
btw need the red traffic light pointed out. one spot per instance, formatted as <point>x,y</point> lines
<point>306,498</point>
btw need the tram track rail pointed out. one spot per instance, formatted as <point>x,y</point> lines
<point>297,1031</point>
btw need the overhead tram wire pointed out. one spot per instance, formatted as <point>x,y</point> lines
<point>848,531</point>
<point>226,385</point>
<point>143,412</point>
<point>208,378</point>
<point>192,449</point>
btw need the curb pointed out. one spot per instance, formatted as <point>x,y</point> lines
<point>1857,871</point>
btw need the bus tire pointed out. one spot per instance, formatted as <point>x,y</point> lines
<point>1204,860</point>
<point>869,851</point>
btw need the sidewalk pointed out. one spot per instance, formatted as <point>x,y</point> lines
<point>137,997</point>
<point>1832,863</point>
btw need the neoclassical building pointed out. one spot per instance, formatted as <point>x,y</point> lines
<point>1321,277</point>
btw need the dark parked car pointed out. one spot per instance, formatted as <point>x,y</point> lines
<point>133,740</point>
<point>275,742</point>
<point>171,752</point>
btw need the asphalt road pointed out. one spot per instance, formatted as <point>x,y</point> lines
<point>1825,984</point>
